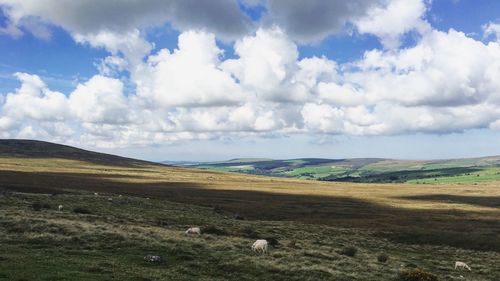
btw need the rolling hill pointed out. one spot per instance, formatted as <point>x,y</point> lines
<point>144,208</point>
<point>41,149</point>
<point>367,169</point>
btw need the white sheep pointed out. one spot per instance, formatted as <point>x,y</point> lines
<point>60,207</point>
<point>260,246</point>
<point>96,194</point>
<point>462,265</point>
<point>193,230</point>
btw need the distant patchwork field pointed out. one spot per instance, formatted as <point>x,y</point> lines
<point>366,169</point>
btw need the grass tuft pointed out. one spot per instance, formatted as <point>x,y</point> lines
<point>349,251</point>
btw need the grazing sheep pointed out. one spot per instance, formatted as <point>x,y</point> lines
<point>60,207</point>
<point>260,246</point>
<point>193,230</point>
<point>96,194</point>
<point>110,199</point>
<point>462,265</point>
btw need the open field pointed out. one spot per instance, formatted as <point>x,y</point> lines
<point>429,226</point>
<point>368,170</point>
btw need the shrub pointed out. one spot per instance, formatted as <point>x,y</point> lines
<point>81,210</point>
<point>382,258</point>
<point>212,229</point>
<point>162,222</point>
<point>416,275</point>
<point>292,244</point>
<point>249,232</point>
<point>272,241</point>
<point>37,206</point>
<point>349,251</point>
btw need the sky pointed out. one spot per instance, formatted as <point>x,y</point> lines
<point>207,80</point>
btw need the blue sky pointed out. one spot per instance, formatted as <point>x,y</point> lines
<point>183,80</point>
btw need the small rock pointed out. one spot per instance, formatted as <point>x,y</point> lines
<point>152,258</point>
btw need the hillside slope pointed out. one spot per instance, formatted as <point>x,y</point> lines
<point>42,149</point>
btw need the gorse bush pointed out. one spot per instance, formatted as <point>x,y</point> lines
<point>382,258</point>
<point>38,206</point>
<point>81,210</point>
<point>212,229</point>
<point>249,232</point>
<point>416,275</point>
<point>349,251</point>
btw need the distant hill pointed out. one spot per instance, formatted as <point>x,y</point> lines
<point>367,169</point>
<point>42,149</point>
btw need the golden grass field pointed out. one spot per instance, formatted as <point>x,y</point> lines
<point>450,217</point>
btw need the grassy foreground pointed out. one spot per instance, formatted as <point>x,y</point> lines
<point>316,224</point>
<point>110,242</point>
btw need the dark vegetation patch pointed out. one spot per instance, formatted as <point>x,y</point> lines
<point>477,239</point>
<point>81,210</point>
<point>38,206</point>
<point>349,251</point>
<point>416,275</point>
<point>382,258</point>
<point>402,176</point>
<point>215,230</point>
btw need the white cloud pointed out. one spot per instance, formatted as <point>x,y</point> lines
<point>491,29</point>
<point>130,44</point>
<point>33,100</point>
<point>443,69</point>
<point>495,125</point>
<point>100,100</point>
<point>264,62</point>
<point>189,76</point>
<point>390,22</point>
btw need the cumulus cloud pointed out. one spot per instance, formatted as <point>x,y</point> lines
<point>491,29</point>
<point>304,21</point>
<point>222,17</point>
<point>188,76</point>
<point>100,100</point>
<point>263,63</point>
<point>33,100</point>
<point>390,22</point>
<point>309,21</point>
<point>445,83</point>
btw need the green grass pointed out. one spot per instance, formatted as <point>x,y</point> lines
<point>316,172</point>
<point>487,174</point>
<point>370,170</point>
